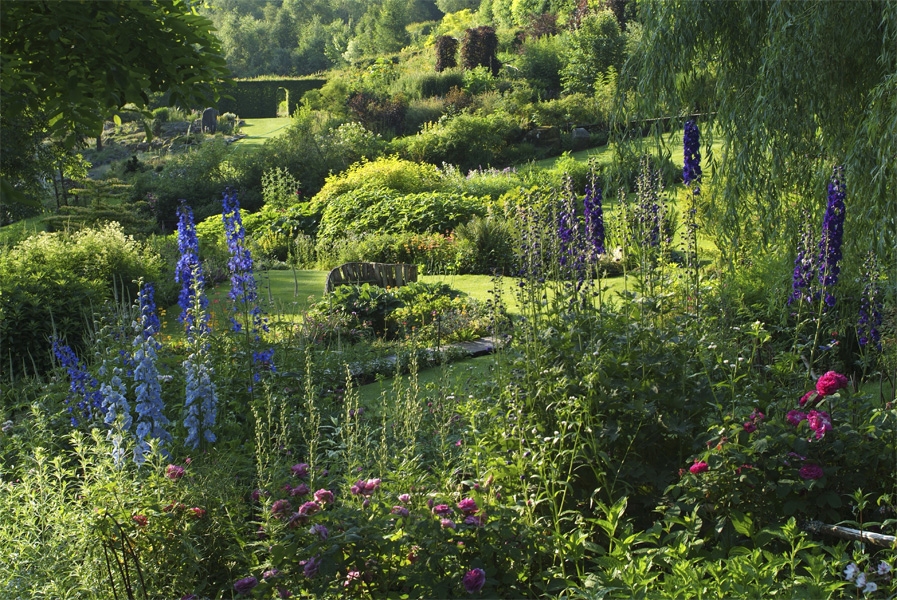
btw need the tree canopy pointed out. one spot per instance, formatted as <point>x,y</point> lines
<point>794,88</point>
<point>76,62</point>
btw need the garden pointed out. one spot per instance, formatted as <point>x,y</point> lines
<point>690,371</point>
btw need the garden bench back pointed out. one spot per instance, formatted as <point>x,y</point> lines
<point>379,274</point>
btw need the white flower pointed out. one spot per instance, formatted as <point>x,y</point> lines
<point>850,572</point>
<point>884,568</point>
<point>861,580</point>
<point>870,587</point>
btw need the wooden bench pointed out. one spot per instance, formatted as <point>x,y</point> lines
<point>379,274</point>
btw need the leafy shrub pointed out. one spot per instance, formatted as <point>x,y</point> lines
<point>428,110</point>
<point>161,114</point>
<point>421,84</point>
<point>446,53</point>
<point>478,81</point>
<point>580,109</point>
<point>596,45</point>
<point>478,49</point>
<point>279,188</point>
<point>52,282</point>
<point>378,114</point>
<point>468,141</point>
<point>485,245</point>
<point>392,172</point>
<point>432,252</point>
<point>540,63</point>
<point>383,210</point>
<point>349,143</point>
<point>198,177</point>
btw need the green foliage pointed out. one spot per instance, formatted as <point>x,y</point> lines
<point>52,282</point>
<point>540,63</point>
<point>468,141</point>
<point>279,188</point>
<point>391,172</point>
<point>595,46</point>
<point>382,210</point>
<point>174,51</point>
<point>486,245</point>
<point>258,98</point>
<point>431,252</point>
<point>778,142</point>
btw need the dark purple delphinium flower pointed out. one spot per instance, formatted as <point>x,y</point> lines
<point>804,264</point>
<point>691,142</point>
<point>594,218</point>
<point>870,306</point>
<point>832,236</point>
<point>243,284</point>
<point>189,273</point>
<point>566,231</point>
<point>83,385</point>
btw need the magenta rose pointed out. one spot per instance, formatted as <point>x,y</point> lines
<point>811,398</point>
<point>474,580</point>
<point>699,467</point>
<point>794,417</point>
<point>830,383</point>
<point>324,497</point>
<point>174,472</point>
<point>811,471</point>
<point>300,470</point>
<point>468,506</point>
<point>443,510</point>
<point>400,511</point>
<point>281,508</point>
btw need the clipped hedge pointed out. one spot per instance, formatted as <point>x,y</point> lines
<point>380,210</point>
<point>258,98</point>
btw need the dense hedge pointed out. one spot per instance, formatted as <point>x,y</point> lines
<point>384,210</point>
<point>257,98</point>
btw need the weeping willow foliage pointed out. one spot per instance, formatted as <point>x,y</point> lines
<point>794,88</point>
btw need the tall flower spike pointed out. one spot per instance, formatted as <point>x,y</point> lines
<point>151,420</point>
<point>691,142</point>
<point>870,307</point>
<point>83,387</point>
<point>594,218</point>
<point>804,264</point>
<point>189,274</point>
<point>832,236</point>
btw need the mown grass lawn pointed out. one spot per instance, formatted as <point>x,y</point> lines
<point>259,130</point>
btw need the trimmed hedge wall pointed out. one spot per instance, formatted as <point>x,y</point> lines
<point>257,98</point>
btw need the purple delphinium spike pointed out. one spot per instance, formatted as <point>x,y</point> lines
<point>594,219</point>
<point>189,274</point>
<point>804,264</point>
<point>691,142</point>
<point>83,386</point>
<point>832,236</point>
<point>243,284</point>
<point>870,306</point>
<point>151,420</point>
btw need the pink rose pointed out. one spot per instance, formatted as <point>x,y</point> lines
<point>794,417</point>
<point>699,467</point>
<point>830,383</point>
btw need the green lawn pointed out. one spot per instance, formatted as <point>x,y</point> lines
<point>604,154</point>
<point>259,130</point>
<point>457,378</point>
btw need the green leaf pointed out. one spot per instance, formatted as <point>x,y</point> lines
<point>742,523</point>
